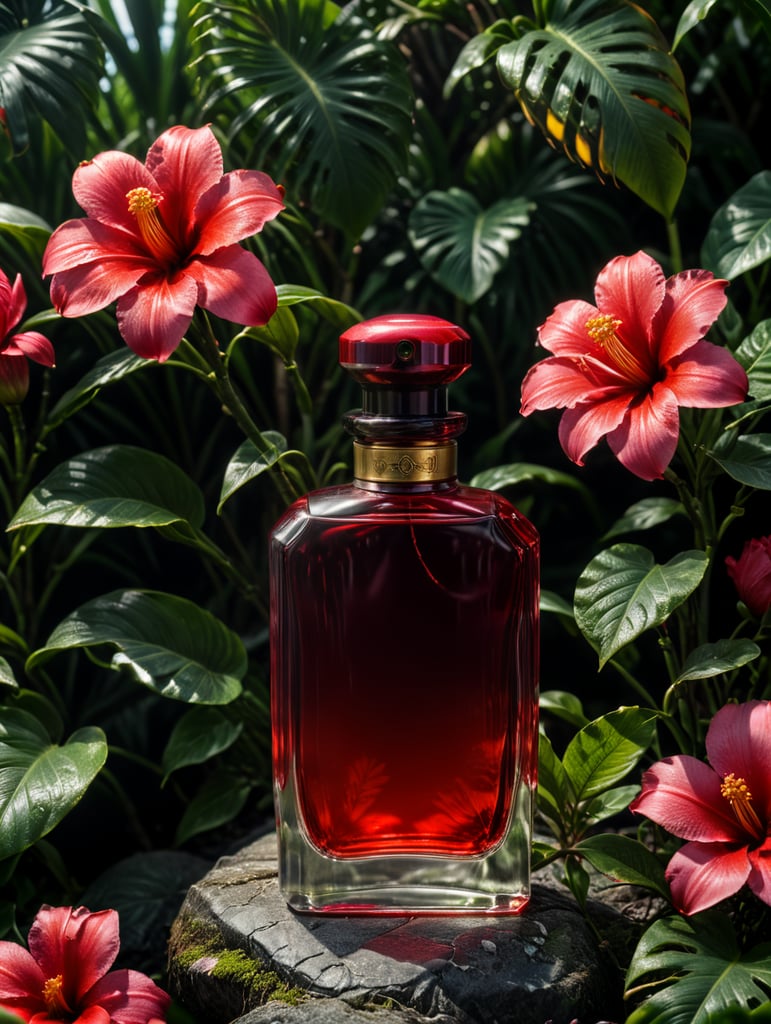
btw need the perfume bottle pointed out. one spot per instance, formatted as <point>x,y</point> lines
<point>404,657</point>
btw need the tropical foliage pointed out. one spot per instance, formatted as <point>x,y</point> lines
<point>480,162</point>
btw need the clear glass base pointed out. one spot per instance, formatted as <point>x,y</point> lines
<point>495,883</point>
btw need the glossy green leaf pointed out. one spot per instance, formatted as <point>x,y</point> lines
<point>563,705</point>
<point>601,84</point>
<point>110,368</point>
<point>514,473</point>
<point>6,1017</point>
<point>554,791</point>
<point>608,804</point>
<point>626,860</point>
<point>605,751</point>
<point>477,51</point>
<point>693,15</point>
<point>168,643</point>
<point>698,962</point>
<point>461,244</point>
<point>280,334</point>
<point>216,803</point>
<point>714,659</point>
<point>645,514</point>
<point>551,602</point>
<point>50,66</point>
<point>7,677</point>
<point>17,220</point>
<point>311,94</point>
<point>118,485</point>
<point>248,463</point>
<point>754,354</point>
<point>577,879</point>
<point>200,734</point>
<point>739,234</point>
<point>748,461</point>
<point>623,592</point>
<point>41,782</point>
<point>334,312</point>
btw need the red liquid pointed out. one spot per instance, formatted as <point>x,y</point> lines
<point>404,668</point>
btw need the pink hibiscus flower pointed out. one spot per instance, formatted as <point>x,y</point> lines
<point>15,349</point>
<point>161,238</point>
<point>722,808</point>
<point>751,574</point>
<point>622,368</point>
<point>65,976</point>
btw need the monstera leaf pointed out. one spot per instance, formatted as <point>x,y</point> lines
<point>50,66</point>
<point>314,92</point>
<point>601,84</point>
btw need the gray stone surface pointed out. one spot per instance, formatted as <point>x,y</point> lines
<point>545,965</point>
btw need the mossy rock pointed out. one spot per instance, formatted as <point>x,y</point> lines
<point>221,982</point>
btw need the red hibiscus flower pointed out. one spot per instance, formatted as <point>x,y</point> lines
<point>622,368</point>
<point>161,238</point>
<point>751,573</point>
<point>15,349</point>
<point>65,976</point>
<point>722,808</point>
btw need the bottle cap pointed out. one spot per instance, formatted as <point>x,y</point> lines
<point>409,350</point>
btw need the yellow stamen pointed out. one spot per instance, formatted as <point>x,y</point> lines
<point>54,1000</point>
<point>143,204</point>
<point>603,330</point>
<point>737,793</point>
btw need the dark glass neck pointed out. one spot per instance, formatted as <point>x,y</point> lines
<point>385,401</point>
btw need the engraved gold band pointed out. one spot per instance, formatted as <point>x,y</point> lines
<point>379,463</point>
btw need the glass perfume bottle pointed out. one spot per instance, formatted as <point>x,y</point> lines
<point>404,640</point>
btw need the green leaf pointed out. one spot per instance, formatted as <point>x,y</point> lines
<point>622,592</point>
<point>112,367</point>
<point>626,860</point>
<point>608,804</point>
<point>216,803</point>
<point>18,221</point>
<point>248,463</point>
<point>477,51</point>
<point>311,93</point>
<point>6,1017</point>
<point>694,13</point>
<point>498,477</point>
<point>201,733</point>
<point>551,602</point>
<point>565,706</point>
<point>646,514</point>
<point>40,783</point>
<point>280,334</point>
<point>334,312</point>
<point>169,644</point>
<point>50,66</point>
<point>739,235</point>
<point>555,796</point>
<point>606,750</point>
<point>748,461</point>
<point>601,84</point>
<point>462,245</point>
<point>754,354</point>
<point>699,962</point>
<point>118,485</point>
<point>714,659</point>
<point>7,677</point>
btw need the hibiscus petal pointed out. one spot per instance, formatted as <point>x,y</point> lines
<point>6,305</point>
<point>15,309</point>
<point>632,288</point>
<point>647,438</point>
<point>239,205</point>
<point>100,187</point>
<point>760,874</point>
<point>185,162</point>
<point>34,346</point>
<point>584,427</point>
<point>76,944</point>
<point>693,302</point>
<point>703,874</point>
<point>87,241</point>
<point>154,316</point>
<point>21,980</point>
<point>564,332</point>
<point>557,383</point>
<point>129,997</point>
<point>683,795</point>
<point>738,741</point>
<point>233,284</point>
<point>706,376</point>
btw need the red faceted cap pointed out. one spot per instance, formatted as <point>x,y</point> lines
<point>405,350</point>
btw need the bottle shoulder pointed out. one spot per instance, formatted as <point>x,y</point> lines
<point>456,504</point>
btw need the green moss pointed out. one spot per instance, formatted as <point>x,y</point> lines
<point>194,940</point>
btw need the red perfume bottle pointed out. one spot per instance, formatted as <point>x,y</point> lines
<point>404,648</point>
